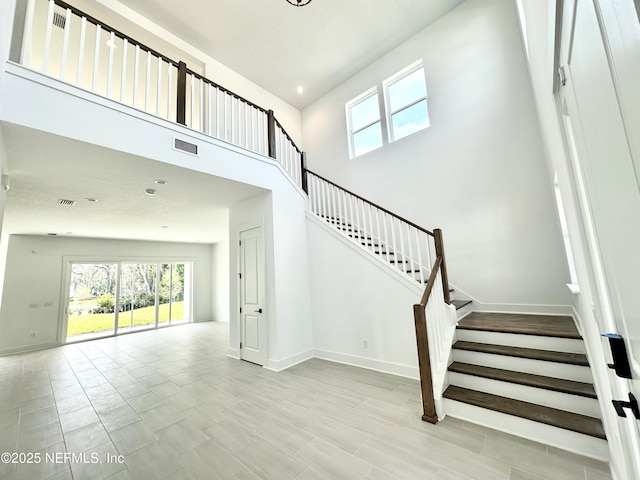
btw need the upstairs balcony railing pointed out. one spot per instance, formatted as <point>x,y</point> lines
<point>63,42</point>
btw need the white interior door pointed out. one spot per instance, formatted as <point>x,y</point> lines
<point>253,320</point>
<point>605,151</point>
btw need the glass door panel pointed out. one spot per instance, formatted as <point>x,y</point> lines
<point>177,294</point>
<point>136,305</point>
<point>91,312</point>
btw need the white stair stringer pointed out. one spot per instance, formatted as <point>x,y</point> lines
<point>548,398</point>
<point>539,432</point>
<point>525,365</point>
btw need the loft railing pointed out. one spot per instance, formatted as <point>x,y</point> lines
<point>63,42</point>
<point>407,248</point>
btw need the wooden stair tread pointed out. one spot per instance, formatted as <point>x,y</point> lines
<point>539,381</point>
<point>460,303</point>
<point>544,325</point>
<point>538,413</point>
<point>521,352</point>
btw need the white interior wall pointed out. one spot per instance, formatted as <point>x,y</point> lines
<point>478,172</point>
<point>34,275</point>
<point>220,298</point>
<point>287,277</point>
<point>344,318</point>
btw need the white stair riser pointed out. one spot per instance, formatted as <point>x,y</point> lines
<point>539,432</point>
<point>540,396</point>
<point>463,312</point>
<point>525,365</point>
<point>568,345</point>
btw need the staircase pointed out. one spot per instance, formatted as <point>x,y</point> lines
<point>527,375</point>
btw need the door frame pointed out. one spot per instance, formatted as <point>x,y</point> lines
<point>264,327</point>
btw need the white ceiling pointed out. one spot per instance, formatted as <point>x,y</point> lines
<point>44,168</point>
<point>280,46</point>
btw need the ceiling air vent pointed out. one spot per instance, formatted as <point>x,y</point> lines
<point>59,20</point>
<point>66,203</point>
<point>185,146</point>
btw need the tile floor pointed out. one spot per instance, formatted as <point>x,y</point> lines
<point>170,404</point>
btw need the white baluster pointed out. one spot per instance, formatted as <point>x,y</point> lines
<point>169,89</point>
<point>201,104</point>
<point>419,257</point>
<point>112,47</point>
<point>411,257</point>
<point>83,33</point>
<point>136,76</point>
<point>47,38</point>
<point>159,86</point>
<point>96,59</point>
<point>396,255</point>
<point>209,108</point>
<point>147,83</point>
<point>65,44</point>
<point>192,103</point>
<point>25,55</point>
<point>123,74</point>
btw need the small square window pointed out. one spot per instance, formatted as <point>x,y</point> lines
<point>406,102</point>
<point>364,124</point>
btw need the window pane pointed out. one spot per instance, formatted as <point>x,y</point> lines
<point>410,120</point>
<point>365,113</point>
<point>368,139</point>
<point>408,90</point>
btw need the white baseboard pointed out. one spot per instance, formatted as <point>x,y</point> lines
<point>407,371</point>
<point>27,348</point>
<point>234,353</point>
<point>280,365</point>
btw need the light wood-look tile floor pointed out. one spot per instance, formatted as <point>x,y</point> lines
<point>170,404</point>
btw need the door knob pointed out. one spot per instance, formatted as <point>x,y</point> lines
<point>258,310</point>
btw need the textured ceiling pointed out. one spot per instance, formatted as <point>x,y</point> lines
<point>44,168</point>
<point>281,47</point>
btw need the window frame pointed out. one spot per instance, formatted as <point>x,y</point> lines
<point>392,80</point>
<point>349,106</point>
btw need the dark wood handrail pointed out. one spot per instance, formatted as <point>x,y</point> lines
<point>287,135</point>
<point>118,33</point>
<point>225,90</point>
<point>422,339</point>
<point>432,279</point>
<point>372,204</point>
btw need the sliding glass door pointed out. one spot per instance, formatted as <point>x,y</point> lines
<point>119,297</point>
<point>92,289</point>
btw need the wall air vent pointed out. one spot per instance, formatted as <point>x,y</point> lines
<point>186,147</point>
<point>66,203</point>
<point>59,20</point>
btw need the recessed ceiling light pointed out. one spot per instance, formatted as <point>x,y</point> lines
<point>300,89</point>
<point>150,191</point>
<point>52,234</point>
<point>164,226</point>
<point>89,199</point>
<point>161,182</point>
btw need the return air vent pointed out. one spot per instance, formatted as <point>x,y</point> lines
<point>59,20</point>
<point>186,147</point>
<point>66,203</point>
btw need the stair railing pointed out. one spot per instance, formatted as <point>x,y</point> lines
<point>63,42</point>
<point>407,248</point>
<point>434,333</point>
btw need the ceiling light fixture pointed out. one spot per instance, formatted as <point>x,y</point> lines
<point>161,182</point>
<point>150,191</point>
<point>300,90</point>
<point>89,199</point>
<point>299,3</point>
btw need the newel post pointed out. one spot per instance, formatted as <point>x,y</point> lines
<point>303,171</point>
<point>437,236</point>
<point>271,133</point>
<point>181,105</point>
<point>424,364</point>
